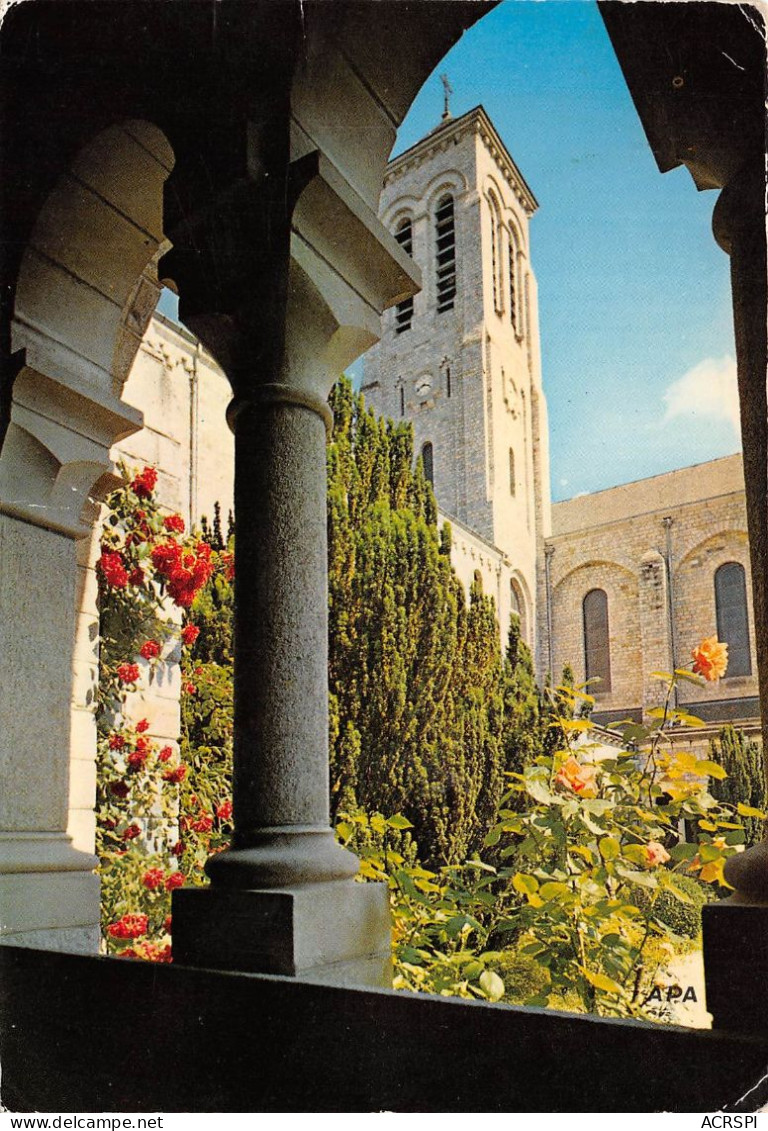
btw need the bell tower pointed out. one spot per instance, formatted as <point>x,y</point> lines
<point>461,360</point>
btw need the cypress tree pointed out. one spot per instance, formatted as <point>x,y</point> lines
<point>742,760</point>
<point>416,677</point>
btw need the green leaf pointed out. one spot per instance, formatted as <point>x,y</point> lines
<point>399,822</point>
<point>609,848</point>
<point>691,677</point>
<point>644,879</point>
<point>344,830</point>
<point>661,675</point>
<point>526,885</point>
<point>491,985</point>
<point>603,982</point>
<point>749,811</point>
<point>539,792</point>
<point>553,890</point>
<point>689,720</point>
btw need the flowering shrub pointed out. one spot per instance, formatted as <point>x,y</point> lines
<point>146,568</point>
<point>583,872</point>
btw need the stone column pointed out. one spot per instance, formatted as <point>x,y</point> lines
<point>283,898</point>
<point>56,448</point>
<point>736,929</point>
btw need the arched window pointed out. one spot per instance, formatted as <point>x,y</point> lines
<point>445,254</point>
<point>404,309</point>
<point>428,461</point>
<point>512,480</point>
<point>496,268</point>
<point>512,282</point>
<point>732,616</point>
<point>597,651</point>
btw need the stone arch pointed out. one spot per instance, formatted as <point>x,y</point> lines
<point>620,585</point>
<point>520,603</point>
<point>85,290</point>
<point>405,207</point>
<point>447,181</point>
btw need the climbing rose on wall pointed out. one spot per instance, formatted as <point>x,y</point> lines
<point>147,564</point>
<point>189,634</point>
<point>112,568</point>
<point>144,484</point>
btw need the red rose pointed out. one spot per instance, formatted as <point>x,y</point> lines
<point>153,878</point>
<point>150,650</point>
<point>142,725</point>
<point>144,484</point>
<point>176,775</point>
<point>129,927</point>
<point>136,576</point>
<point>128,673</point>
<point>165,556</point>
<point>224,811</point>
<point>116,742</point>
<point>129,952</point>
<point>174,522</point>
<point>167,922</point>
<point>136,759</point>
<point>178,848</point>
<point>190,688</point>
<point>112,568</point>
<point>166,754</point>
<point>202,824</point>
<point>120,789</point>
<point>174,880</point>
<point>131,832</point>
<point>189,634</point>
<point>143,744</point>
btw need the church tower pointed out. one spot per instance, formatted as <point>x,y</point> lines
<point>461,360</point>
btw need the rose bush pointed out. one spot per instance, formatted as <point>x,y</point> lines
<point>147,567</point>
<point>582,874</point>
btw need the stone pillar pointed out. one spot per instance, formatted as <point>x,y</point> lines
<point>736,929</point>
<point>283,898</point>
<point>654,604</point>
<point>56,448</point>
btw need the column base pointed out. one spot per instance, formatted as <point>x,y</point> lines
<point>50,910</point>
<point>337,932</point>
<point>736,964</point>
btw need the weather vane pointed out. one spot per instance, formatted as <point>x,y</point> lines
<point>447,92</point>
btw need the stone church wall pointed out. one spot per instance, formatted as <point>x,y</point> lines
<point>616,540</point>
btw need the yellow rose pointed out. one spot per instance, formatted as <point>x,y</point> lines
<point>579,779</point>
<point>710,659</point>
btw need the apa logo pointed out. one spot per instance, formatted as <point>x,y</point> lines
<point>671,993</point>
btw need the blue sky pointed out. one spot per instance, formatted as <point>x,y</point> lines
<point>634,296</point>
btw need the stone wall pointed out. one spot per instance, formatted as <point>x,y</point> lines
<point>617,540</point>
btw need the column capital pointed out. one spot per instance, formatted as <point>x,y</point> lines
<point>740,206</point>
<point>57,450</point>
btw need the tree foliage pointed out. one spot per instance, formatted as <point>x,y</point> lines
<point>425,715</point>
<point>742,760</point>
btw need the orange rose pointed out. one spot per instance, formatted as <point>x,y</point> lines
<point>655,853</point>
<point>579,779</point>
<point>710,659</point>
